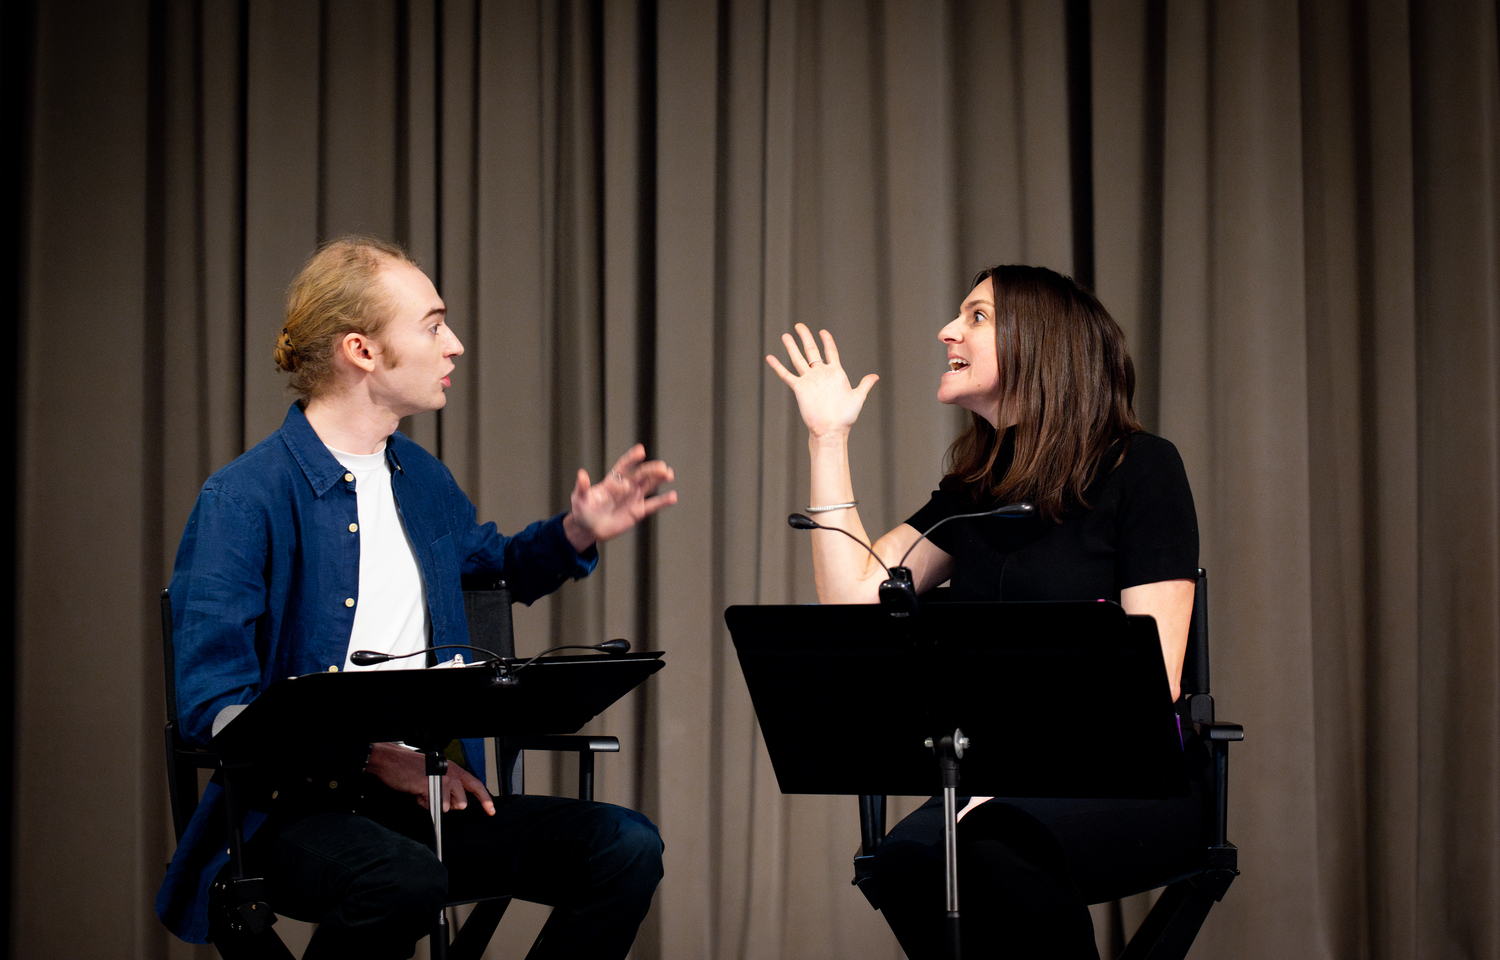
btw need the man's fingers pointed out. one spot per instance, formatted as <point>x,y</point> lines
<point>653,504</point>
<point>652,475</point>
<point>482,794</point>
<point>630,459</point>
<point>636,471</point>
<point>465,784</point>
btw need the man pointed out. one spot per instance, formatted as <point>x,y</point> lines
<point>338,533</point>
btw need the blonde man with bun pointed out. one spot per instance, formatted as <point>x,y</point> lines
<point>339,533</point>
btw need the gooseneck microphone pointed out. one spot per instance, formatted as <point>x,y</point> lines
<point>898,593</point>
<point>801,521</point>
<point>1020,509</point>
<point>505,672</point>
<point>367,658</point>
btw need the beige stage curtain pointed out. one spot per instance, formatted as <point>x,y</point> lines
<point>624,205</point>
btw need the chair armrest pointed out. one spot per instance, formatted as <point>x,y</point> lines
<point>1217,730</point>
<point>508,757</point>
<point>196,757</point>
<point>1217,736</point>
<point>565,743</point>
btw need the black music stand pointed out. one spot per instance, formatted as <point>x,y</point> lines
<point>984,699</point>
<point>426,709</point>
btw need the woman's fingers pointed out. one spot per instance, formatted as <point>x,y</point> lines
<point>787,377</point>
<point>806,353</point>
<point>794,352</point>
<point>830,349</point>
<point>825,398</point>
<point>809,345</point>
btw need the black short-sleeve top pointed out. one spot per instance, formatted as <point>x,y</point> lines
<point>1140,527</point>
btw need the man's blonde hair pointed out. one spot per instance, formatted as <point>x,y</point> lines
<point>335,294</point>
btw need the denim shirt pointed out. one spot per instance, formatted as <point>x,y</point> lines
<point>266,583</point>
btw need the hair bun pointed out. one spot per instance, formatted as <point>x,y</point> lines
<point>285,354</point>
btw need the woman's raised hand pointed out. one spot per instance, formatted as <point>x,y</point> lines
<point>825,398</point>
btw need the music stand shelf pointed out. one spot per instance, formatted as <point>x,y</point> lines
<point>846,695</point>
<point>421,707</point>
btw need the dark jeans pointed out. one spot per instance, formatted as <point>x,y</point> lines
<point>1029,868</point>
<point>374,887</point>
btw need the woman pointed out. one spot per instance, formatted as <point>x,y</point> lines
<point>1045,374</point>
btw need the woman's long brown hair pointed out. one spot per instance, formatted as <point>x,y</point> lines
<point>1066,378</point>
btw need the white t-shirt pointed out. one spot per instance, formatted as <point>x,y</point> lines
<point>391,615</point>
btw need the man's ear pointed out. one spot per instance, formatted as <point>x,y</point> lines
<point>359,350</point>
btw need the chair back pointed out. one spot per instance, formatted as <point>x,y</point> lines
<point>487,603</point>
<point>487,606</point>
<point>169,659</point>
<point>183,759</point>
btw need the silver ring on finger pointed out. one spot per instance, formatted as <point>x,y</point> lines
<point>617,475</point>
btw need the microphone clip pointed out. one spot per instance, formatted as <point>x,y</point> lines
<point>504,674</point>
<point>508,674</point>
<point>898,595</point>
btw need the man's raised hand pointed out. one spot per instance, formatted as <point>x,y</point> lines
<point>623,498</point>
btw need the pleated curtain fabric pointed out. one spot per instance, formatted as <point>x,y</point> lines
<point>624,204</point>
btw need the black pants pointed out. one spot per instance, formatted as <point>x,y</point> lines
<point>1029,868</point>
<point>374,887</point>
